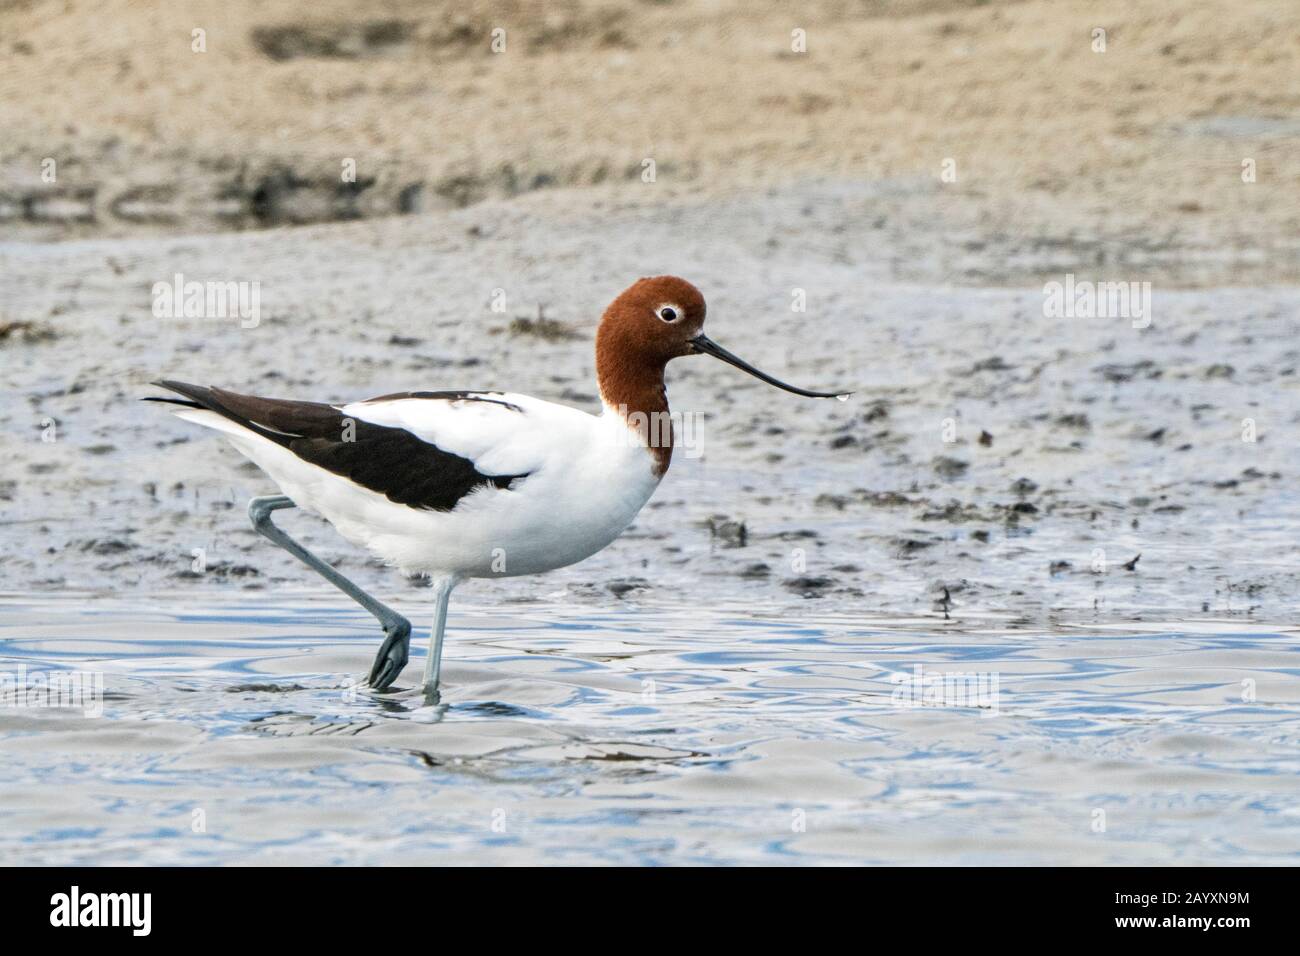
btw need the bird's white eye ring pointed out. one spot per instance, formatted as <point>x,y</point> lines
<point>668,313</point>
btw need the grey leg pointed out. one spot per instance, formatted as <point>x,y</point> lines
<point>433,662</point>
<point>393,653</point>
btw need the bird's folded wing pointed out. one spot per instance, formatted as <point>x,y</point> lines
<point>452,455</point>
<point>501,433</point>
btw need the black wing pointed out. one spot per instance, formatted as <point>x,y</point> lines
<point>391,461</point>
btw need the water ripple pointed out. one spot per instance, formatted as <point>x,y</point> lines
<point>236,734</point>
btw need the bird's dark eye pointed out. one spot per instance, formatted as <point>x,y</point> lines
<point>668,314</point>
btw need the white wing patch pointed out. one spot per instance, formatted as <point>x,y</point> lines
<point>498,438</point>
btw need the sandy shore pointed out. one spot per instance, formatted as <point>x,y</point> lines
<point>1001,133</point>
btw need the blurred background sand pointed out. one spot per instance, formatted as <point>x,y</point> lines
<point>1132,155</point>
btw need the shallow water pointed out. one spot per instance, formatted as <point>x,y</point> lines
<point>231,732</point>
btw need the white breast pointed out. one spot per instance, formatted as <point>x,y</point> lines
<point>591,478</point>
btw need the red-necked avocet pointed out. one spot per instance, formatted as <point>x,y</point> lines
<point>459,485</point>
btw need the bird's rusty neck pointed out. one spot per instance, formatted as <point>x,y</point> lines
<point>631,381</point>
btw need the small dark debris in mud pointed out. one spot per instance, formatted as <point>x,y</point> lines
<point>906,547</point>
<point>1157,436</point>
<point>107,546</point>
<point>28,333</point>
<point>888,499</point>
<point>221,570</point>
<point>1023,486</point>
<point>946,467</point>
<point>732,534</point>
<point>1132,564</point>
<point>809,587</point>
<point>617,756</point>
<point>876,411</point>
<point>624,586</point>
<point>798,534</point>
<point>1116,372</point>
<point>1024,508</point>
<point>756,570</point>
<point>100,449</point>
<point>1058,567</point>
<point>264,688</point>
<point>995,364</point>
<point>225,569</point>
<point>548,330</point>
<point>1220,370</point>
<point>986,439</point>
<point>403,341</point>
<point>941,593</point>
<point>1249,588</point>
<point>1076,420</point>
<point>847,568</point>
<point>843,441</point>
<point>838,502</point>
<point>981,536</point>
<point>493,708</point>
<point>953,511</point>
<point>943,603</point>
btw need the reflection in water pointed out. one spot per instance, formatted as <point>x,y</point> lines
<point>237,734</point>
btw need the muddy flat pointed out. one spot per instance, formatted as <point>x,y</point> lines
<point>993,457</point>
